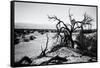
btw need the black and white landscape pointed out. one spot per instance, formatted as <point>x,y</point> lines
<point>49,34</point>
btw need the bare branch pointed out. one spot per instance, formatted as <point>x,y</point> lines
<point>59,21</point>
<point>47,41</point>
<point>87,19</point>
<point>43,52</point>
<point>77,28</point>
<point>70,15</point>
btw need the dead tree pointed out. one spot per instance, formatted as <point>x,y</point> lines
<point>44,51</point>
<point>68,31</point>
<point>86,21</point>
<point>67,38</point>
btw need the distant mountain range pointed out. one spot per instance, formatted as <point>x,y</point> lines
<point>43,27</point>
<point>33,26</point>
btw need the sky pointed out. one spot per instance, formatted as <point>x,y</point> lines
<point>35,15</point>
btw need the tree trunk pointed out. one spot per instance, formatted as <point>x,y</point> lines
<point>71,39</point>
<point>81,37</point>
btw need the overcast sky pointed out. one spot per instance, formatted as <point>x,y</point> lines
<point>35,14</point>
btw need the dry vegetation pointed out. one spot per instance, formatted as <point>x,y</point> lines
<point>65,51</point>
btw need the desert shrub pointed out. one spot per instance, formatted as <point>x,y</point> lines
<point>80,40</point>
<point>89,46</point>
<point>23,35</point>
<point>16,41</point>
<point>32,37</point>
<point>26,40</point>
<point>42,33</point>
<point>36,33</point>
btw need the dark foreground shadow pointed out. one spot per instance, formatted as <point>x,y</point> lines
<point>25,61</point>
